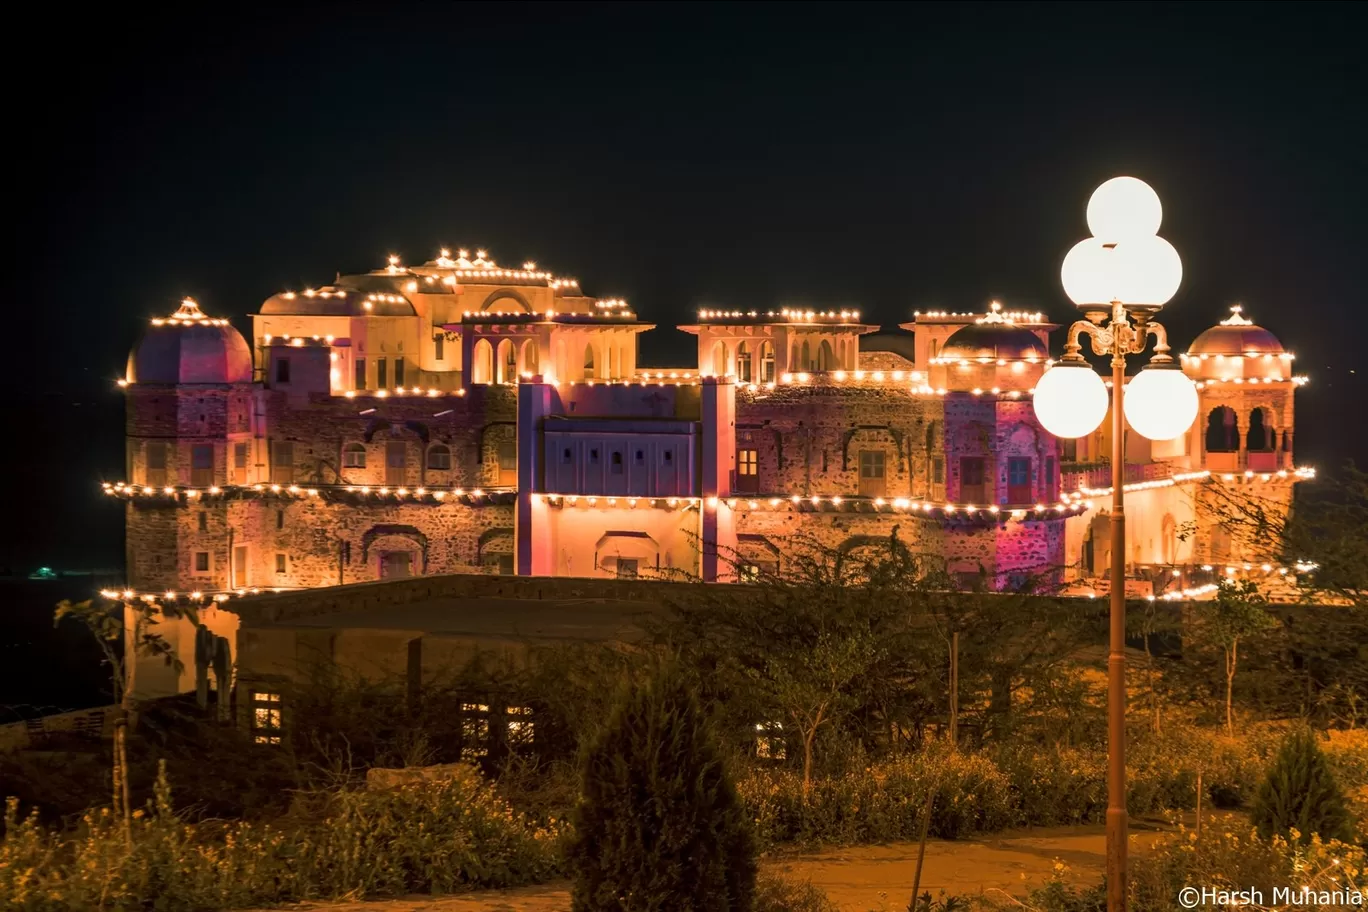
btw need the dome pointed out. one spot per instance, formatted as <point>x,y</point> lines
<point>998,341</point>
<point>1236,335</point>
<point>188,347</point>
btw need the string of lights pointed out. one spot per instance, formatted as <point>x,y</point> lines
<point>330,492</point>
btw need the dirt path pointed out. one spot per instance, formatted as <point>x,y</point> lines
<point>859,879</point>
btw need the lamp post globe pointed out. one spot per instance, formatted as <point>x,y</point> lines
<point>1160,402</point>
<point>1070,400</point>
<point>1145,272</point>
<point>1086,273</point>
<point>1124,209</point>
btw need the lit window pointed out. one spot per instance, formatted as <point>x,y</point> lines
<point>439,457</point>
<point>769,741</point>
<point>474,730</point>
<point>266,717</point>
<point>519,726</point>
<point>354,456</point>
<point>747,462</point>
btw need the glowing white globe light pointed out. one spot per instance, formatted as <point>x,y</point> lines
<point>1070,400</point>
<point>1160,403</point>
<point>1123,209</point>
<point>1085,273</point>
<point>1145,271</point>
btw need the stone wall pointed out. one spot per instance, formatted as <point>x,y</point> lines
<point>808,438</point>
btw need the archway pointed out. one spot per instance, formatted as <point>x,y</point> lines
<point>483,368</point>
<point>508,362</point>
<point>1169,539</point>
<point>1222,430</point>
<point>719,360</point>
<point>529,357</point>
<point>766,362</point>
<point>1261,437</point>
<point>826,357</point>
<point>589,361</point>
<point>743,363</point>
<point>805,359</point>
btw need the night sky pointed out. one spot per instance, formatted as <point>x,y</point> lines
<point>889,158</point>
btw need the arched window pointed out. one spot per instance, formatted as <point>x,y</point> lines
<point>439,457</point>
<point>1222,431</point>
<point>743,362</point>
<point>826,358</point>
<point>484,362</point>
<point>766,362</point>
<point>719,365</point>
<point>805,360</point>
<point>1260,438</point>
<point>354,456</point>
<point>508,362</point>
<point>589,361</point>
<point>529,357</point>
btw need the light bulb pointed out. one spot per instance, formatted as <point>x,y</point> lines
<point>1086,273</point>
<point>1124,209</point>
<point>1070,400</point>
<point>1160,402</point>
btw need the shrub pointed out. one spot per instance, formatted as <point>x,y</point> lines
<point>432,836</point>
<point>1300,794</point>
<point>659,825</point>
<point>778,894</point>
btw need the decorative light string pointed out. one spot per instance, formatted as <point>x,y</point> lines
<point>420,494</point>
<point>787,314</point>
<point>172,596</point>
<point>820,502</point>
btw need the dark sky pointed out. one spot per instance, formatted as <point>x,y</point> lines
<point>888,157</point>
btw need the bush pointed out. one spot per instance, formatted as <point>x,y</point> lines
<point>1300,796</point>
<point>659,825</point>
<point>432,836</point>
<point>777,894</point>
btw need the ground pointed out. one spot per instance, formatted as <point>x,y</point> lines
<point>858,879</point>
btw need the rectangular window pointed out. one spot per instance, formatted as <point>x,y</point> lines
<point>1068,450</point>
<point>396,462</point>
<point>474,731</point>
<point>282,370</point>
<point>1019,480</point>
<point>938,470</point>
<point>508,463</point>
<point>280,519</point>
<point>202,465</point>
<point>567,456</point>
<point>381,373</point>
<point>519,726</point>
<point>282,462</point>
<point>354,456</point>
<point>203,521</point>
<point>615,465</point>
<point>972,488</point>
<point>872,480</point>
<point>769,741</point>
<point>398,371</point>
<point>439,347</point>
<point>360,373</point>
<point>626,568</point>
<point>747,471</point>
<point>201,561</point>
<point>281,563</point>
<point>267,722</point>
<point>1050,485</point>
<point>155,469</point>
<point>439,457</point>
<point>240,463</point>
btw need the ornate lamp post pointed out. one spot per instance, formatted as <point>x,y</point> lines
<point>1120,278</point>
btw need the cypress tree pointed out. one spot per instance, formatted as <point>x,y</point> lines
<point>659,826</point>
<point>1300,793</point>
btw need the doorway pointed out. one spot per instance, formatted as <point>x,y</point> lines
<point>396,564</point>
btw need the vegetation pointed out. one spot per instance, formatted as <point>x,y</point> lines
<point>1238,611</point>
<point>431,836</point>
<point>659,825</point>
<point>1299,798</point>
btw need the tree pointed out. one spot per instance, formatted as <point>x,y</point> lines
<point>1300,793</point>
<point>1238,611</point>
<point>124,632</point>
<point>659,826</point>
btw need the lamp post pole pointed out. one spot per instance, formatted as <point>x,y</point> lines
<point>1117,823</point>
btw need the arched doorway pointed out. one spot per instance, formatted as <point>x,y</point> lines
<point>1222,430</point>
<point>743,362</point>
<point>529,357</point>
<point>826,357</point>
<point>1169,539</point>
<point>589,361</point>
<point>508,362</point>
<point>483,368</point>
<point>1261,437</point>
<point>766,362</point>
